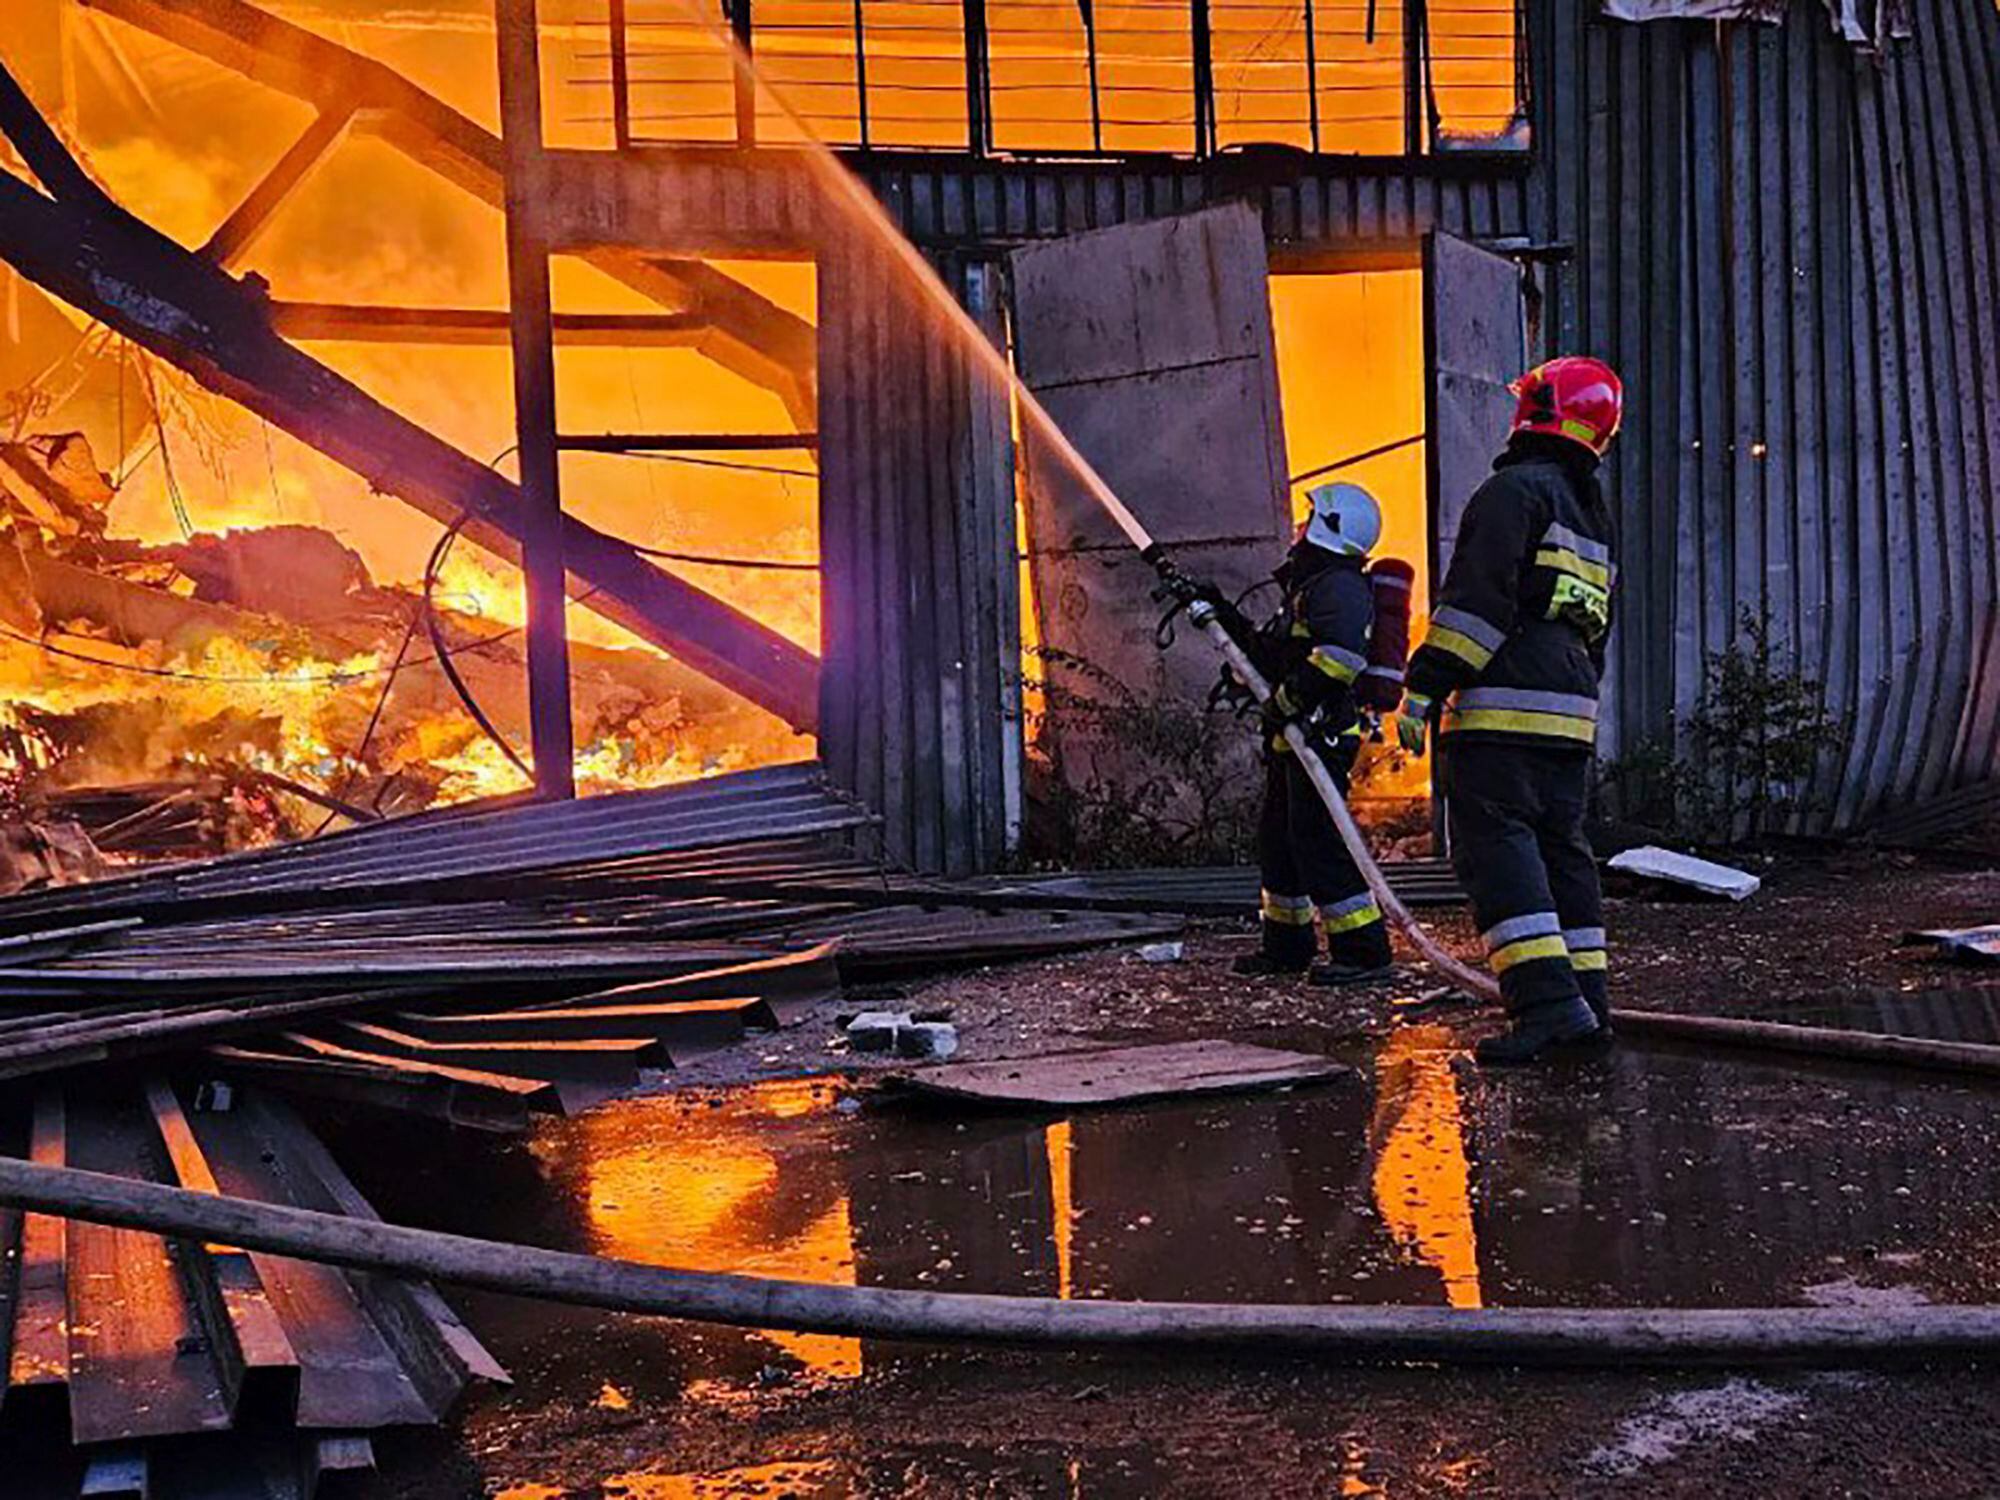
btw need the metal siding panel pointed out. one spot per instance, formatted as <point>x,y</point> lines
<point>1472,342</point>
<point>1909,153</point>
<point>1873,566</point>
<point>1771,308</point>
<point>1706,500</point>
<point>1835,208</point>
<point>1901,562</point>
<point>1745,576</point>
<point>1968,213</point>
<point>1663,191</point>
<point>1942,285</point>
<point>1975,53</point>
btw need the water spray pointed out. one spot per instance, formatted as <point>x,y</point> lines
<point>861,207</point>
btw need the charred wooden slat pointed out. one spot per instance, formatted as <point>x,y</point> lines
<point>683,1029</point>
<point>151,1350</point>
<point>260,1333</point>
<point>349,1375</point>
<point>292,1142</point>
<point>603,1059</point>
<point>39,1355</point>
<point>450,1100</point>
<point>534,1093</point>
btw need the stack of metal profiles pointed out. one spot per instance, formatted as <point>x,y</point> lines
<point>476,967</point>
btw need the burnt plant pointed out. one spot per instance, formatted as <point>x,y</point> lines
<point>1125,781</point>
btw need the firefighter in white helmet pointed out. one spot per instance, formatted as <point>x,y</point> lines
<point>1317,654</point>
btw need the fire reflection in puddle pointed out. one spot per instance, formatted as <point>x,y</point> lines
<point>713,1193</point>
<point>1423,1180</point>
<point>1647,1179</point>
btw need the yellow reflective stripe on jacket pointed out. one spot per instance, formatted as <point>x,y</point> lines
<point>1564,561</point>
<point>1498,710</point>
<point>1527,950</point>
<point>1512,721</point>
<point>1596,961</point>
<point>1345,916</point>
<point>1342,666</point>
<point>1464,648</point>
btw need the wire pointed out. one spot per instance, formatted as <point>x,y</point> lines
<point>765,564</point>
<point>719,463</point>
<point>337,679</point>
<point>436,629</point>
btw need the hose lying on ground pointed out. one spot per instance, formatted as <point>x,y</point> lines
<point>1832,1042</point>
<point>1604,1337</point>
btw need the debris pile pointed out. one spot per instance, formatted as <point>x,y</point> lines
<point>229,690</point>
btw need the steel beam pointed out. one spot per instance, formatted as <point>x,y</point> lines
<point>752,336</point>
<point>235,236</point>
<point>532,317</point>
<point>342,322</point>
<point>114,268</point>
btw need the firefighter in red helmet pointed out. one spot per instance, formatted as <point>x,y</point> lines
<point>1508,676</point>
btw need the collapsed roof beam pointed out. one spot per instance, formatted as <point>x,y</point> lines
<point>238,234</point>
<point>749,334</point>
<point>115,268</point>
<point>341,322</point>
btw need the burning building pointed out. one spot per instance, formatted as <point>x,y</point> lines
<point>272,263</point>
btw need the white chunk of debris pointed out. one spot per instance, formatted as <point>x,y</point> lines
<point>1684,869</point>
<point>1162,953</point>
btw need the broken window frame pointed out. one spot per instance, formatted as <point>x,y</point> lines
<point>1423,134</point>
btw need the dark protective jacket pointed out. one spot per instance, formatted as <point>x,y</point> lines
<point>1320,637</point>
<point>1515,649</point>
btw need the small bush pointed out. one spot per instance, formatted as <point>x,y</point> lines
<point>1129,782</point>
<point>1741,766</point>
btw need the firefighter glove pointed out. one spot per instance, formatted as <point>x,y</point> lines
<point>1412,722</point>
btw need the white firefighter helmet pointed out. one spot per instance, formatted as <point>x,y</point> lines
<point>1345,519</point>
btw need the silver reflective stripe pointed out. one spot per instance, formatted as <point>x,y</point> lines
<point>1534,924</point>
<point>1470,626</point>
<point>1582,546</point>
<point>1394,674</point>
<point>1528,701</point>
<point>1347,908</point>
<point>1392,581</point>
<point>1583,938</point>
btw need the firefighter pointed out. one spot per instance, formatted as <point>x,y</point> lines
<point>1317,653</point>
<point>1508,677</point>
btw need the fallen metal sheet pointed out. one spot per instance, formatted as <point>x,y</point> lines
<point>444,851</point>
<point>1122,1075</point>
<point>1965,945</point>
<point>450,1100</point>
<point>1650,863</point>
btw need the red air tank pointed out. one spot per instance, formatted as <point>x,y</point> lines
<point>1381,684</point>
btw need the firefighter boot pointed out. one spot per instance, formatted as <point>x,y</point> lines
<point>1262,965</point>
<point>1531,1033</point>
<point>1358,955</point>
<point>1597,995</point>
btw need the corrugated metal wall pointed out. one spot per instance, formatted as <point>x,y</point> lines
<point>940,201</point>
<point>1790,249</point>
<point>920,685</point>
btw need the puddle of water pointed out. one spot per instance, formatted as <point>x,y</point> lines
<point>1648,1179</point>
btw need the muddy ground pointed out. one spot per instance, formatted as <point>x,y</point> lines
<point>1648,1177</point>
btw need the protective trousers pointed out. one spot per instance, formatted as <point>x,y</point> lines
<point>1516,817</point>
<point>1310,882</point>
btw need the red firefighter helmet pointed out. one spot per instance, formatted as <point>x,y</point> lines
<point>1574,397</point>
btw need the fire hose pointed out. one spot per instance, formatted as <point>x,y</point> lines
<point>1204,614</point>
